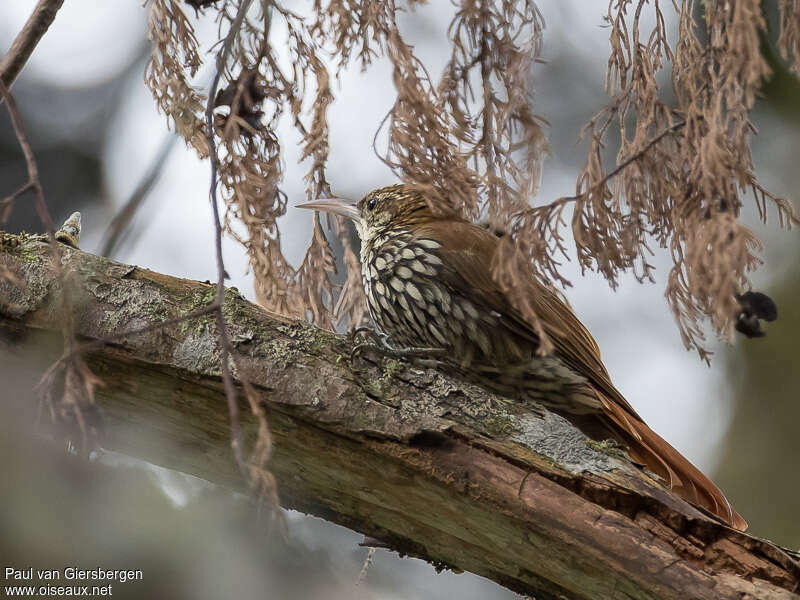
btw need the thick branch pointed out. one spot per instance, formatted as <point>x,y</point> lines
<point>431,466</point>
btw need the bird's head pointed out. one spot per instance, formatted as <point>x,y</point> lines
<point>395,206</point>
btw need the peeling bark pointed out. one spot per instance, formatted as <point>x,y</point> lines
<point>432,466</point>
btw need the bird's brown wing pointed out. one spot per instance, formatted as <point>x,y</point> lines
<point>466,253</point>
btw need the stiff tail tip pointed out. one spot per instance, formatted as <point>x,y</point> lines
<point>684,478</point>
<point>687,481</point>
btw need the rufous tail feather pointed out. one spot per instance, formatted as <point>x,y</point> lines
<point>686,480</point>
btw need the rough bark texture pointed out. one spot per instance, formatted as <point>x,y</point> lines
<point>434,467</point>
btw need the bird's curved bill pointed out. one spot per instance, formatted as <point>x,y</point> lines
<point>337,206</point>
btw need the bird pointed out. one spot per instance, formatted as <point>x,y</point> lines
<point>428,281</point>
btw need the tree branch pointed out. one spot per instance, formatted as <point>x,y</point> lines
<point>33,182</point>
<point>428,465</point>
<point>22,47</point>
<point>224,335</point>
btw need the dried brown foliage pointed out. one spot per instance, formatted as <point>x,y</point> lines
<point>174,60</point>
<point>473,142</point>
<point>66,390</point>
<point>67,395</point>
<point>789,36</point>
<point>437,138</point>
<point>257,93</point>
<point>682,169</point>
<point>496,44</point>
<point>261,480</point>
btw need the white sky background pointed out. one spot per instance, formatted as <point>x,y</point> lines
<point>677,395</point>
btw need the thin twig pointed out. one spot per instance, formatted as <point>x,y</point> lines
<point>7,203</point>
<point>225,342</point>
<point>119,224</point>
<point>362,575</point>
<point>637,155</point>
<point>27,39</point>
<point>30,161</point>
<point>79,382</point>
<point>67,324</point>
<point>620,167</point>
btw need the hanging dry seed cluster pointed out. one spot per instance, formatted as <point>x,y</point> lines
<point>472,141</point>
<point>683,167</point>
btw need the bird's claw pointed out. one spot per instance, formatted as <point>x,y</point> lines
<point>369,333</point>
<point>378,341</point>
<point>380,344</point>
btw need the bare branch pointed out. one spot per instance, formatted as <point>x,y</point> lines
<point>27,39</point>
<point>33,171</point>
<point>227,348</point>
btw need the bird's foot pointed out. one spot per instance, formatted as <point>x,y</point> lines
<point>380,344</point>
<point>366,338</point>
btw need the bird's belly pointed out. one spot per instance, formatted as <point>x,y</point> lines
<point>490,362</point>
<point>409,303</point>
<point>402,312</point>
<point>404,296</point>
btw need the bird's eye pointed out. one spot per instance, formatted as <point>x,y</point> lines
<point>372,202</point>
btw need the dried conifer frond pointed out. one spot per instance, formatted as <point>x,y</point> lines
<point>249,156</point>
<point>315,139</point>
<point>351,306</point>
<point>427,144</point>
<point>497,43</point>
<point>421,150</point>
<point>480,157</point>
<point>474,144</point>
<point>789,36</point>
<point>680,170</point>
<point>312,278</point>
<point>715,97</point>
<point>66,391</point>
<point>260,478</point>
<point>258,93</point>
<point>344,26</point>
<point>173,60</point>
<point>318,260</point>
<point>696,282</point>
